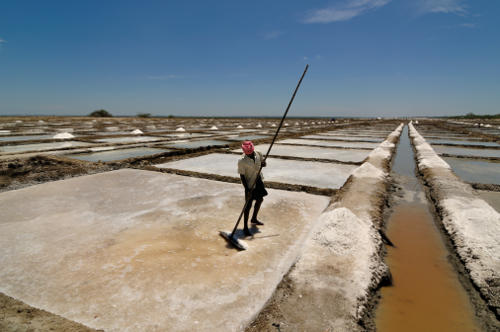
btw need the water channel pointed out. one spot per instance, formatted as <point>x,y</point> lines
<point>426,294</point>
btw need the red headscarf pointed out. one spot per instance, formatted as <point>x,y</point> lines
<point>247,147</point>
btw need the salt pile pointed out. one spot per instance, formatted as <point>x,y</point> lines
<point>137,132</point>
<point>63,136</point>
<point>239,127</point>
<point>180,129</point>
<point>273,125</point>
<point>259,126</point>
<point>214,128</point>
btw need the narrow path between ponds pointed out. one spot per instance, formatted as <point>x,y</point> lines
<point>426,294</point>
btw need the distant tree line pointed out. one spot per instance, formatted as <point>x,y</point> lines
<point>101,114</point>
<point>471,115</point>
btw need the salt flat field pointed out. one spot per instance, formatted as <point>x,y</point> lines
<point>313,152</point>
<point>316,174</point>
<point>359,145</point>
<point>117,154</point>
<point>117,229</point>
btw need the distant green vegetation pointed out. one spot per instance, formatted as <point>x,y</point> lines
<point>101,114</point>
<point>476,116</point>
<point>143,115</point>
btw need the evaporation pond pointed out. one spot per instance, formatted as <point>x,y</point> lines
<point>348,155</point>
<point>129,139</point>
<point>343,138</point>
<point>134,250</point>
<point>187,135</point>
<point>41,146</point>
<point>118,154</point>
<point>476,171</point>
<point>467,151</point>
<point>330,143</point>
<point>24,138</point>
<point>491,197</point>
<point>246,137</point>
<point>316,174</point>
<point>197,144</point>
<point>457,142</point>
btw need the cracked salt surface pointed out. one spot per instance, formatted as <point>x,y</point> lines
<point>316,174</point>
<point>133,250</point>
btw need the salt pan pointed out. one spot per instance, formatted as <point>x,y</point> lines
<point>63,136</point>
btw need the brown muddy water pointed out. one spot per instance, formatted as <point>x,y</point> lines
<point>426,294</point>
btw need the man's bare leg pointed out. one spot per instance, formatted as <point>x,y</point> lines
<point>256,209</point>
<point>245,218</point>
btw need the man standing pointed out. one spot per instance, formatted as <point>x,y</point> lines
<point>249,167</point>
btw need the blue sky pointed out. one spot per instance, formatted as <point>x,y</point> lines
<point>243,58</point>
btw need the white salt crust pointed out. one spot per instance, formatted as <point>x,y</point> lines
<point>63,136</point>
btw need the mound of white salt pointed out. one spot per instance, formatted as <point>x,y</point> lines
<point>259,126</point>
<point>180,129</point>
<point>63,136</point>
<point>214,128</point>
<point>239,127</point>
<point>367,170</point>
<point>137,132</point>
